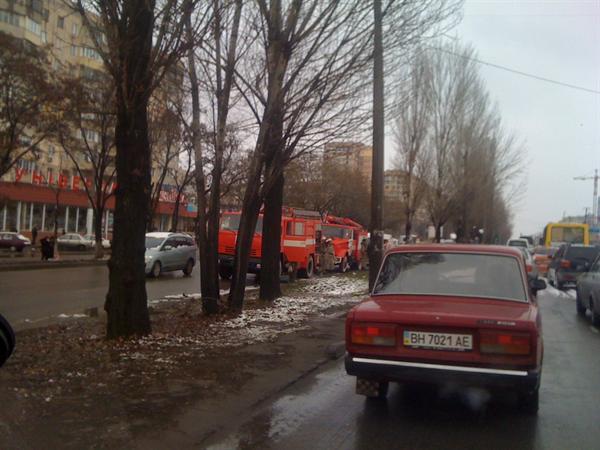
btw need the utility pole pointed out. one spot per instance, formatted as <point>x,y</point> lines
<point>595,200</point>
<point>376,226</point>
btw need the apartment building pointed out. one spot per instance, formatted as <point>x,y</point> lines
<point>30,192</point>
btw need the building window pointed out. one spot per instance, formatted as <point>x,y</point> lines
<point>26,165</point>
<point>60,22</point>
<point>73,50</point>
<point>44,37</point>
<point>90,53</point>
<point>74,29</point>
<point>34,27</point>
<point>10,18</point>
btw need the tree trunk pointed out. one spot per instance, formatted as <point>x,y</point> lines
<point>126,301</point>
<point>175,216</point>
<point>376,225</point>
<point>98,214</point>
<point>248,219</point>
<point>438,232</point>
<point>223,99</point>
<point>210,298</point>
<point>408,226</point>
<point>270,270</point>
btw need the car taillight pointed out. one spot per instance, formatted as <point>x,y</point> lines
<point>373,334</point>
<point>565,263</point>
<point>505,343</point>
<point>529,268</point>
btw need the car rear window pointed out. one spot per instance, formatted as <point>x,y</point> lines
<point>517,243</point>
<point>586,253</point>
<point>453,274</point>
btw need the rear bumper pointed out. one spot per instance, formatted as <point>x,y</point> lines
<point>227,261</point>
<point>564,276</point>
<point>411,371</point>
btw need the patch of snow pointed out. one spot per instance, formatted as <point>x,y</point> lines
<point>71,316</point>
<point>286,315</point>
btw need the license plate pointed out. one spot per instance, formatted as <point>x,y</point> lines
<point>438,341</point>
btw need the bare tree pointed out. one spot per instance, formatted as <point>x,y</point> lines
<point>308,80</point>
<point>28,95</point>
<point>447,84</point>
<point>86,135</point>
<point>143,43</point>
<point>411,128</point>
<point>211,65</point>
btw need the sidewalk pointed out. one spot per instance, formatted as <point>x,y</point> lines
<point>69,388</point>
<point>32,261</point>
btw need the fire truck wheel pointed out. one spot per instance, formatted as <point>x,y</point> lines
<point>344,265</point>
<point>310,269</point>
<point>225,272</point>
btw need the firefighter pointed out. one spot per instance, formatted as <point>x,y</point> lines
<point>364,255</point>
<point>321,250</point>
<point>329,258</point>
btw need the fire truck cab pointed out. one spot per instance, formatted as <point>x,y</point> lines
<point>346,236</point>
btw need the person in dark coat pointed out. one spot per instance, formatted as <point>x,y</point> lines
<point>34,233</point>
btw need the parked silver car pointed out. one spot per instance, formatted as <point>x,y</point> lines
<point>588,291</point>
<point>166,252</point>
<point>73,241</point>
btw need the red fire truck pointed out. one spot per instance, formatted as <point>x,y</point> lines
<point>347,236</point>
<point>299,232</point>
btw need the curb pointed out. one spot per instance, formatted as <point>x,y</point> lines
<point>52,265</point>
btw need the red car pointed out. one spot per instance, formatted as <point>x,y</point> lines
<point>439,314</point>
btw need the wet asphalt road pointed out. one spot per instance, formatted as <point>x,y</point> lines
<point>322,411</point>
<point>32,297</point>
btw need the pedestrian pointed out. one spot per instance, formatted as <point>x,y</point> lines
<point>45,248</point>
<point>34,233</point>
<point>364,254</point>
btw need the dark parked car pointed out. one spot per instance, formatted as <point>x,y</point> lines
<point>588,292</point>
<point>7,340</point>
<point>570,261</point>
<point>13,241</point>
<point>449,314</point>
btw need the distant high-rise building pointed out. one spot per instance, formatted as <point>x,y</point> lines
<point>353,155</point>
<point>392,184</point>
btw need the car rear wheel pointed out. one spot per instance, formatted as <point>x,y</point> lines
<point>595,315</point>
<point>81,248</point>
<point>225,272</point>
<point>310,269</point>
<point>189,267</point>
<point>529,401</point>
<point>579,305</point>
<point>156,268</point>
<point>13,248</point>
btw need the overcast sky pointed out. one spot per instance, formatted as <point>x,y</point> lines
<point>560,126</point>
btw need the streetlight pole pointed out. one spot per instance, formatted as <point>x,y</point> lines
<point>376,226</point>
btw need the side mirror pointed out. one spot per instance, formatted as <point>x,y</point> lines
<point>167,248</point>
<point>537,285</point>
<point>7,340</point>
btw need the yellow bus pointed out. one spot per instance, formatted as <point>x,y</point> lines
<point>556,234</point>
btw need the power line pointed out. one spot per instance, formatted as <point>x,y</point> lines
<point>518,72</point>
